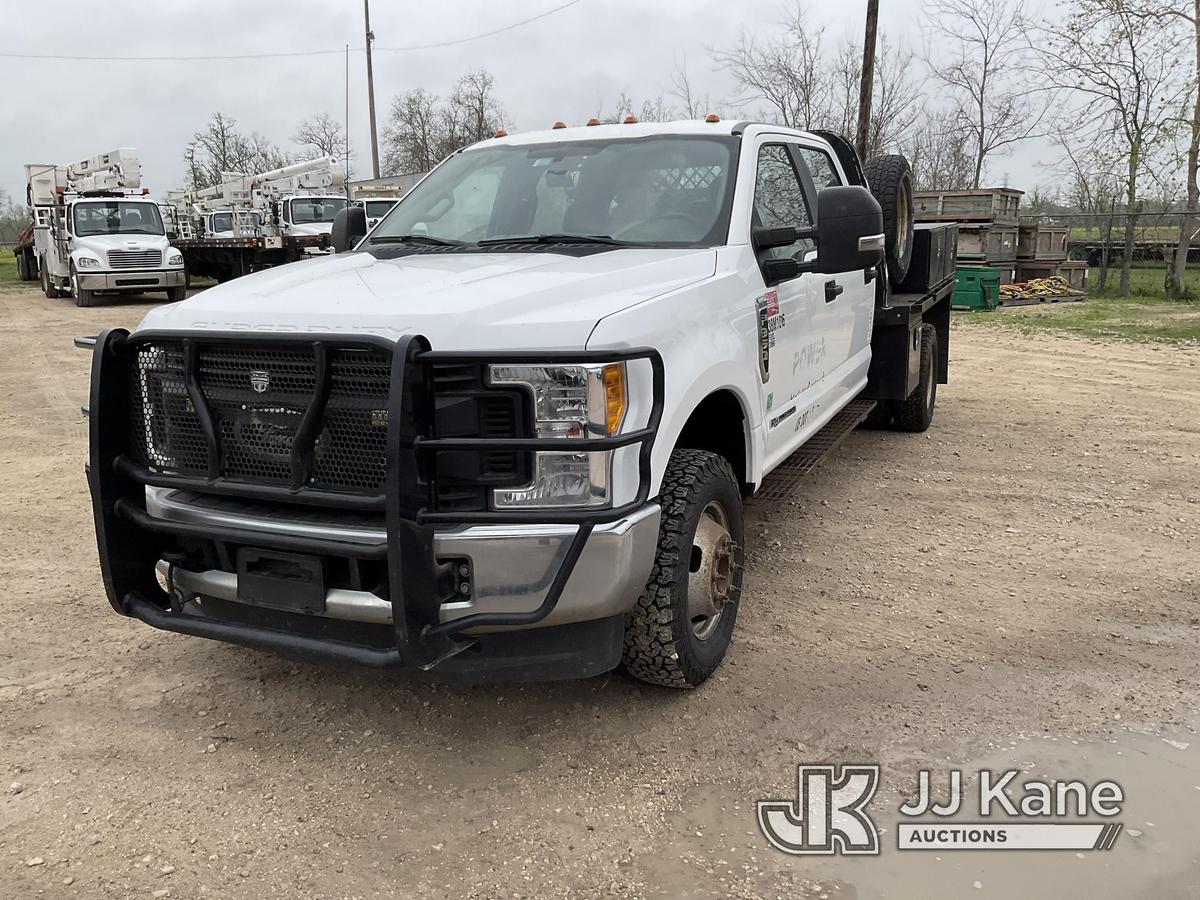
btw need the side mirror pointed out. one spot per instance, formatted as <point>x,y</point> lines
<point>850,230</point>
<point>349,226</point>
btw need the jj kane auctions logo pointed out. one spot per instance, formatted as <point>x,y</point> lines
<point>829,814</point>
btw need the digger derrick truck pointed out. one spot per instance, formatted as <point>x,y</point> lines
<point>508,433</point>
<point>252,222</point>
<point>95,230</point>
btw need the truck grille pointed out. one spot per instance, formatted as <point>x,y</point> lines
<point>134,259</point>
<point>257,399</point>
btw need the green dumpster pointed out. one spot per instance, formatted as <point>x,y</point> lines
<point>976,287</point>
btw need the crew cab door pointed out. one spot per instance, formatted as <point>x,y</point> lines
<point>791,317</point>
<point>847,308</point>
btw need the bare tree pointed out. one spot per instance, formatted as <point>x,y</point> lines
<point>788,71</point>
<point>475,113</point>
<point>323,135</point>
<point>978,49</point>
<point>694,104</point>
<point>1186,13</point>
<point>938,151</point>
<point>805,84</point>
<point>652,109</point>
<point>414,138</point>
<point>1126,69</point>
<point>221,148</point>
<point>422,129</point>
<point>897,101</point>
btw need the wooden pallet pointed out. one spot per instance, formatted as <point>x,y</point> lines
<point>1034,301</point>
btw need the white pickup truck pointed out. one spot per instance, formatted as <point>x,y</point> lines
<point>510,435</point>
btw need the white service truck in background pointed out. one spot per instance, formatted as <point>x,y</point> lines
<point>252,222</point>
<point>508,433</point>
<point>96,231</point>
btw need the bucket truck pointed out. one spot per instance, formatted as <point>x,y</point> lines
<point>96,231</point>
<point>251,222</point>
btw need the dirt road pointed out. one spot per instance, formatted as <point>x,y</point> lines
<point>1027,570</point>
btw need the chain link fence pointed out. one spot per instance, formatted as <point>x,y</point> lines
<point>1099,237</point>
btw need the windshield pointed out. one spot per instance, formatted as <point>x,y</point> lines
<point>313,210</point>
<point>654,192</point>
<point>117,217</point>
<point>223,221</point>
<point>377,208</point>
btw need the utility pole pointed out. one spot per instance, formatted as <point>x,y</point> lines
<point>371,91</point>
<point>346,143</point>
<point>866,87</point>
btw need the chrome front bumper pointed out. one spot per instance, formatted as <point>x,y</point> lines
<point>156,280</point>
<point>512,565</point>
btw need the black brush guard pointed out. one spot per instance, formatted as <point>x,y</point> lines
<point>131,541</point>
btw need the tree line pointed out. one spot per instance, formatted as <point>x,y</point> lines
<point>1110,85</point>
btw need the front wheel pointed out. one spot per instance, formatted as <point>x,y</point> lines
<point>681,626</point>
<point>175,294</point>
<point>83,297</point>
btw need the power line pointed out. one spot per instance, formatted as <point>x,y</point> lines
<point>295,53</point>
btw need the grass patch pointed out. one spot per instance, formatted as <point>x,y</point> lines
<point>1137,318</point>
<point>1148,281</point>
<point>8,266</point>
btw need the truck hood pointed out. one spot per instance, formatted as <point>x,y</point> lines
<point>102,243</point>
<point>460,301</point>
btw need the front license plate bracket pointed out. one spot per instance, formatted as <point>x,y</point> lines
<point>287,581</point>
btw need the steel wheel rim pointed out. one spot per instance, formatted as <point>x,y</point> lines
<point>902,208</point>
<point>710,571</point>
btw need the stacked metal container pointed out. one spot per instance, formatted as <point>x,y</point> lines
<point>987,224</point>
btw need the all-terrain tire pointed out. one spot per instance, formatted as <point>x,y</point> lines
<point>663,645</point>
<point>916,412</point>
<point>890,180</point>
<point>48,288</point>
<point>22,267</point>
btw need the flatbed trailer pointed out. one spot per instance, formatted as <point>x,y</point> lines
<point>225,258</point>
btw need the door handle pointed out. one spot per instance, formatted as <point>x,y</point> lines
<point>832,289</point>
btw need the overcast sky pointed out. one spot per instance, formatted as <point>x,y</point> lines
<point>560,67</point>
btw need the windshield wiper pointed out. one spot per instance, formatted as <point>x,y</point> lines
<point>557,239</point>
<point>416,239</point>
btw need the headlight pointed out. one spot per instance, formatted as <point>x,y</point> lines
<point>175,259</point>
<point>570,402</point>
<point>87,262</point>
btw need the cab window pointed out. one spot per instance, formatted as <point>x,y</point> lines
<point>820,166</point>
<point>779,199</point>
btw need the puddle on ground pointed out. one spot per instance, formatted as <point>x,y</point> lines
<point>1155,857</point>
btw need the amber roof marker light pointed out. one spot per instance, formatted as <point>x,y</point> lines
<point>501,133</point>
<point>559,125</point>
<point>631,120</point>
<point>593,121</point>
<point>712,117</point>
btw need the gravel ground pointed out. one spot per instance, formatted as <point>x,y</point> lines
<point>1026,569</point>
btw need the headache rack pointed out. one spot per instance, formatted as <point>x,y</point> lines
<point>355,423</point>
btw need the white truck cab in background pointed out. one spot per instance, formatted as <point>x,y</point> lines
<point>97,231</point>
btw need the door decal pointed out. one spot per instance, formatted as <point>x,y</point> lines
<point>770,320</point>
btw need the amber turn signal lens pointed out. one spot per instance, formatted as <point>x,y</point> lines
<point>614,396</point>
